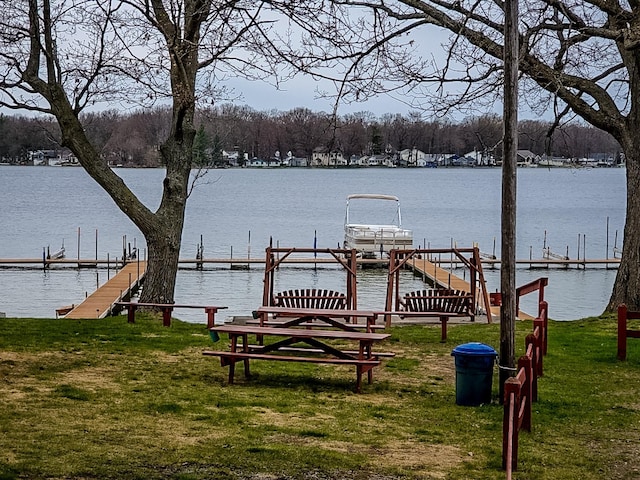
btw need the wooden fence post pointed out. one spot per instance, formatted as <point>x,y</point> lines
<point>622,332</point>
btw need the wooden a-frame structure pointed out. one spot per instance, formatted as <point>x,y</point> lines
<point>418,259</point>
<point>276,256</point>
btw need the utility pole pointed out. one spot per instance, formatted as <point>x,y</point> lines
<point>509,167</point>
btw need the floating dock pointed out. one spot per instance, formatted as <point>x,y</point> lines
<point>119,287</point>
<point>532,263</point>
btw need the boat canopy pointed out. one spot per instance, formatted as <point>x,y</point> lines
<point>374,196</point>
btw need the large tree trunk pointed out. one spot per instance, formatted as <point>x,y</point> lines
<point>164,235</point>
<point>163,242</point>
<point>627,285</point>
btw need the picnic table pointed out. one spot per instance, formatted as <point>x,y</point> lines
<point>364,358</point>
<point>167,309</point>
<point>338,318</point>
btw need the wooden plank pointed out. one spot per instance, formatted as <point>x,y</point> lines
<point>439,276</point>
<point>265,356</point>
<point>300,333</point>
<point>98,304</point>
<point>309,350</point>
<point>495,311</point>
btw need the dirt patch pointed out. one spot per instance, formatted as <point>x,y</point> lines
<point>431,460</point>
<point>18,382</point>
<point>434,460</point>
<point>277,419</point>
<point>90,378</point>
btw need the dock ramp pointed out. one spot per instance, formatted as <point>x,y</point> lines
<point>120,286</point>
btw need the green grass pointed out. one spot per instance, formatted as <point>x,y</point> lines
<point>106,399</point>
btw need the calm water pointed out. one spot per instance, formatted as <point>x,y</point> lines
<point>239,211</point>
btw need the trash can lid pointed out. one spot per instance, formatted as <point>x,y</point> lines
<point>474,349</point>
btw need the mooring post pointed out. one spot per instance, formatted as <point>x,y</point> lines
<point>78,247</point>
<point>249,250</point>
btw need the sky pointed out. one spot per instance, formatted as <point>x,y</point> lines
<point>302,92</point>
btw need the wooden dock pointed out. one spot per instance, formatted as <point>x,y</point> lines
<point>445,279</point>
<point>438,276</point>
<point>531,263</point>
<point>520,315</point>
<point>118,287</point>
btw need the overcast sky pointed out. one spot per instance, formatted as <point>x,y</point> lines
<point>302,92</point>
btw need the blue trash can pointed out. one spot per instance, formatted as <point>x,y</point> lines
<point>474,373</point>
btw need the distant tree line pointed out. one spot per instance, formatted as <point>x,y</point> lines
<point>133,138</point>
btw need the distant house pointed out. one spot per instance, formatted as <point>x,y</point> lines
<point>546,161</point>
<point>467,161</point>
<point>44,157</point>
<point>295,162</point>
<point>480,158</point>
<point>324,158</point>
<point>257,163</point>
<point>603,159</point>
<point>230,158</point>
<point>431,160</point>
<point>446,159</point>
<point>378,160</point>
<point>360,161</point>
<point>527,158</point>
<point>412,157</point>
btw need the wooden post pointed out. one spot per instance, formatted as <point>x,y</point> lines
<point>509,166</point>
<point>622,332</point>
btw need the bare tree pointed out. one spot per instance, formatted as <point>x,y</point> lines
<point>60,58</point>
<point>576,58</point>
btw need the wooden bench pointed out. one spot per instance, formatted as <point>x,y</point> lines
<point>310,298</point>
<point>439,300</point>
<point>363,359</point>
<point>318,351</point>
<point>441,303</point>
<point>167,309</point>
<point>623,331</point>
<point>230,358</point>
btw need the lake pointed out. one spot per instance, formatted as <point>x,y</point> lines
<point>239,211</point>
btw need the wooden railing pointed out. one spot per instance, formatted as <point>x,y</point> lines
<point>623,331</point>
<point>521,390</point>
<point>536,285</point>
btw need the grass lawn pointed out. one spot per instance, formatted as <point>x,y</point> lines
<point>107,399</point>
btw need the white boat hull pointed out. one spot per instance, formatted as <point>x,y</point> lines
<point>376,240</point>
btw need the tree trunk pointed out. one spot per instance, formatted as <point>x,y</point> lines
<point>162,267</point>
<point>626,288</point>
<point>164,235</point>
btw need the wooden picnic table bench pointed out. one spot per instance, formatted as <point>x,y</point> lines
<point>338,318</point>
<point>364,358</point>
<point>167,309</point>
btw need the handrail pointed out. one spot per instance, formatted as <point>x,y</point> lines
<point>522,390</point>
<point>533,286</point>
